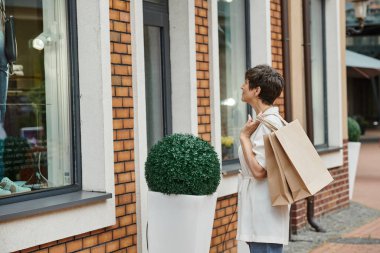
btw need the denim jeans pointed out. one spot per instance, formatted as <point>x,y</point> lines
<point>3,92</point>
<point>258,247</point>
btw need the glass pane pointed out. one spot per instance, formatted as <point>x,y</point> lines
<point>232,64</point>
<point>153,84</point>
<point>35,134</point>
<point>157,1</point>
<point>317,72</point>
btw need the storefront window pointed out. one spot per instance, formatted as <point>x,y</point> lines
<point>35,106</point>
<point>232,66</point>
<point>318,75</point>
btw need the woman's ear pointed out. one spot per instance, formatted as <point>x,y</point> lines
<point>258,90</point>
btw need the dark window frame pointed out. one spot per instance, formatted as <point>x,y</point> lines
<point>308,73</point>
<point>76,157</point>
<point>158,15</point>
<point>233,165</point>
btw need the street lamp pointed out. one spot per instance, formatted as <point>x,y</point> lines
<point>360,7</point>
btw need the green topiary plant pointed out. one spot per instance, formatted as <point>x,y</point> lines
<point>182,164</point>
<point>353,130</point>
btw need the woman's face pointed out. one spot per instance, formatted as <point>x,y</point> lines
<point>247,94</point>
<point>245,89</point>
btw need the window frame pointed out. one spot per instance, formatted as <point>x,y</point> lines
<point>308,73</point>
<point>232,165</point>
<point>76,157</point>
<point>158,15</point>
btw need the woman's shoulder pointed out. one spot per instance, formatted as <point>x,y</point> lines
<point>274,119</point>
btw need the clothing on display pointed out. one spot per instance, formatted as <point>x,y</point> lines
<point>4,192</point>
<point>8,185</point>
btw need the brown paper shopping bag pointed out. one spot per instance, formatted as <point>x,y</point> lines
<point>297,187</point>
<point>304,157</point>
<point>278,187</point>
<point>304,170</point>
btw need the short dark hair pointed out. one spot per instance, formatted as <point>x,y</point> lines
<point>268,79</point>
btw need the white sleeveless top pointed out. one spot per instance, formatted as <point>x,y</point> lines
<point>258,220</point>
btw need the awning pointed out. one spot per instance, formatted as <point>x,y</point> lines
<point>359,65</point>
<point>363,66</point>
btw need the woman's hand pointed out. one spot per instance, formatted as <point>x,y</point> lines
<point>258,172</point>
<point>249,127</point>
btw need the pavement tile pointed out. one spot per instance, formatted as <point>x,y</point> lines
<point>347,248</point>
<point>370,230</point>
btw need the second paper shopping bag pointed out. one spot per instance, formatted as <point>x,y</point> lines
<point>297,159</point>
<point>278,187</point>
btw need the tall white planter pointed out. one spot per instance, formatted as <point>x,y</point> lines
<point>353,157</point>
<point>180,223</point>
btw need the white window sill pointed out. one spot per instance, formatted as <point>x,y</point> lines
<point>66,220</point>
<point>53,203</point>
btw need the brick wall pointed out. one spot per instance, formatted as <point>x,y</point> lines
<point>225,226</point>
<point>124,232</point>
<point>203,81</point>
<point>276,38</point>
<point>121,237</point>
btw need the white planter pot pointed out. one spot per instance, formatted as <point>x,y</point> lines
<point>353,157</point>
<point>180,223</point>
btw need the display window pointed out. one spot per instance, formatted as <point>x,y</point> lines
<point>232,32</point>
<point>36,97</point>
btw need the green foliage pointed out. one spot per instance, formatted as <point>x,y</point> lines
<point>353,130</point>
<point>182,164</point>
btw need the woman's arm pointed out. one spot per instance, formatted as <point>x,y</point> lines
<point>258,172</point>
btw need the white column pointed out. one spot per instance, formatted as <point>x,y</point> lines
<point>214,76</point>
<point>333,72</point>
<point>183,66</point>
<point>138,82</point>
<point>261,44</point>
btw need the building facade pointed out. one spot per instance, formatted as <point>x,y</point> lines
<point>116,76</point>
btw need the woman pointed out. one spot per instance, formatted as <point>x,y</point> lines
<point>263,227</point>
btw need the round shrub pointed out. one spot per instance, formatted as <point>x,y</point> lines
<point>353,130</point>
<point>182,164</point>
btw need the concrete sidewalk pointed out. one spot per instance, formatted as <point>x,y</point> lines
<point>367,190</point>
<point>363,239</point>
<point>354,229</point>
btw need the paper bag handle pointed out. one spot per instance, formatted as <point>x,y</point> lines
<point>268,123</point>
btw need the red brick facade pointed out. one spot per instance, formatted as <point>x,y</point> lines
<point>203,80</point>
<point>225,225</point>
<point>276,37</point>
<point>122,237</point>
